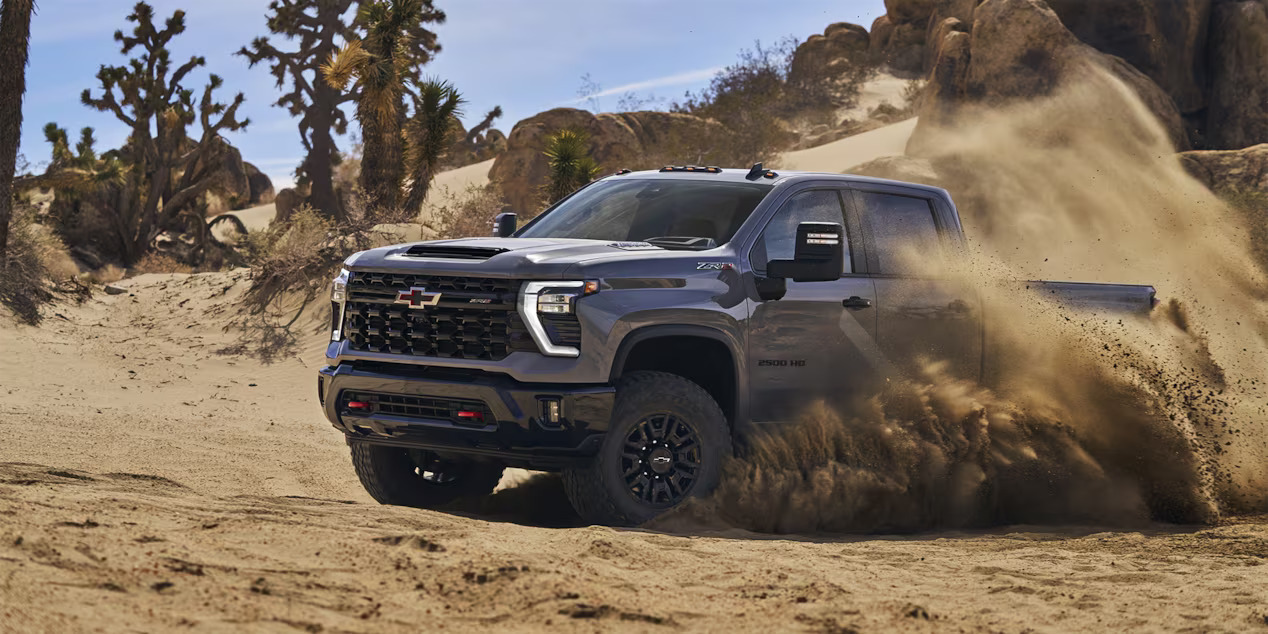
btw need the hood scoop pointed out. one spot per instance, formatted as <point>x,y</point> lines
<point>452,252</point>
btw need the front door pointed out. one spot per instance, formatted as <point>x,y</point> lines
<point>809,346</point>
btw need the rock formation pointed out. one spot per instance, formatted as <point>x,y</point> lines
<point>625,140</point>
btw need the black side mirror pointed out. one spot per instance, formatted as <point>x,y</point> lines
<point>819,256</point>
<point>504,225</point>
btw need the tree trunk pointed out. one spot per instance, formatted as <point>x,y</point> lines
<point>319,163</point>
<point>382,166</point>
<point>15,35</point>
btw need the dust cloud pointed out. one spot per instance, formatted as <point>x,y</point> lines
<point>1088,418</point>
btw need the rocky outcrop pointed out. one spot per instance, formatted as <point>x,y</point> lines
<point>910,11</point>
<point>899,45</point>
<point>1019,49</point>
<point>626,140</point>
<point>259,185</point>
<point>287,202</point>
<point>1238,112</point>
<point>1230,170</point>
<point>1164,39</point>
<point>840,45</point>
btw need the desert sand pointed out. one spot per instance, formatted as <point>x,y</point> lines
<point>153,479</point>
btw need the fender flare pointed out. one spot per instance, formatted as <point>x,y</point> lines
<point>646,333</point>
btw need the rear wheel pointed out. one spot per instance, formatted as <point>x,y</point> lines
<point>666,443</point>
<point>411,477</point>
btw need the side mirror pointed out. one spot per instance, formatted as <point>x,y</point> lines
<point>504,225</point>
<point>819,256</point>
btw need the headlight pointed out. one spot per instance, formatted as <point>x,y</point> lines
<point>339,288</point>
<point>338,300</point>
<point>552,298</point>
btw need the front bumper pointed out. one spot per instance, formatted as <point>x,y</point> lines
<point>512,430</point>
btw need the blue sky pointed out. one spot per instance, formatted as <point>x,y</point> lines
<point>525,55</point>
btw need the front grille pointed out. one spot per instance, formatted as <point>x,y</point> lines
<point>421,407</point>
<point>474,318</point>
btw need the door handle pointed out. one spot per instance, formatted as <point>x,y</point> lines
<point>857,303</point>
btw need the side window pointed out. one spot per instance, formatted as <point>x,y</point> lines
<point>779,240</point>
<point>907,240</point>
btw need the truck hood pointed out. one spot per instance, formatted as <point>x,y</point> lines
<point>503,257</point>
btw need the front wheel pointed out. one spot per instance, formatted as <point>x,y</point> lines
<point>411,477</point>
<point>665,443</point>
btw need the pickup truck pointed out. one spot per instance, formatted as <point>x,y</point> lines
<point>636,331</point>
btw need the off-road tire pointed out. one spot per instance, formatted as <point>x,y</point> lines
<point>599,492</point>
<point>390,476</point>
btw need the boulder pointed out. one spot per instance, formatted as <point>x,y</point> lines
<point>625,140</point>
<point>1164,39</point>
<point>287,201</point>
<point>1238,113</point>
<point>899,46</point>
<point>260,186</point>
<point>910,11</point>
<point>1230,170</point>
<point>937,33</point>
<point>840,45</point>
<point>1018,50</point>
<point>231,182</point>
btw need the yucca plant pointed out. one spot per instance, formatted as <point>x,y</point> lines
<point>384,62</point>
<point>570,164</point>
<point>429,135</point>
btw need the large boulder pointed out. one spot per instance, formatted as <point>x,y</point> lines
<point>260,186</point>
<point>1164,39</point>
<point>1242,170</point>
<point>841,45</point>
<point>910,11</point>
<point>625,140</point>
<point>1019,50</point>
<point>1238,113</point>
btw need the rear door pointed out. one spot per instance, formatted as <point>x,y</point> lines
<point>809,346</point>
<point>926,315</point>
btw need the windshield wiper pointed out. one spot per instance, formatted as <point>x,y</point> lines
<point>683,243</point>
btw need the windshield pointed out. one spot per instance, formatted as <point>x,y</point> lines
<point>639,210</point>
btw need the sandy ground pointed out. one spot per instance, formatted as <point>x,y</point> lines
<point>151,480</point>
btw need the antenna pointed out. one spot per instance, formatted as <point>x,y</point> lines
<point>755,172</point>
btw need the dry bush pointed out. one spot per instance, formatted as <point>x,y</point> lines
<point>292,264</point>
<point>154,262</point>
<point>755,101</point>
<point>23,275</point>
<point>468,213</point>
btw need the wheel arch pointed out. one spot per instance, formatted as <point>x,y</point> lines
<point>692,352</point>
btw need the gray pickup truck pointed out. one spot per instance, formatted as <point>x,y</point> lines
<point>632,334</point>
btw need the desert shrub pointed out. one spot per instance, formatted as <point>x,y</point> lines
<point>913,95</point>
<point>468,213</point>
<point>23,274</point>
<point>292,264</point>
<point>154,262</point>
<point>756,102</point>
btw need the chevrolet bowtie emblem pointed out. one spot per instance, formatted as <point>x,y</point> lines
<point>417,297</point>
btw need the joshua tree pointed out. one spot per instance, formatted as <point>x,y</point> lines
<point>385,62</point>
<point>15,35</point>
<point>317,25</point>
<point>428,135</point>
<point>476,132</point>
<point>570,164</point>
<point>167,169</point>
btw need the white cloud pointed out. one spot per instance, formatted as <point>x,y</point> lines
<point>679,79</point>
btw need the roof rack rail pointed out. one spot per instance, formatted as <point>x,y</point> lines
<point>711,169</point>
